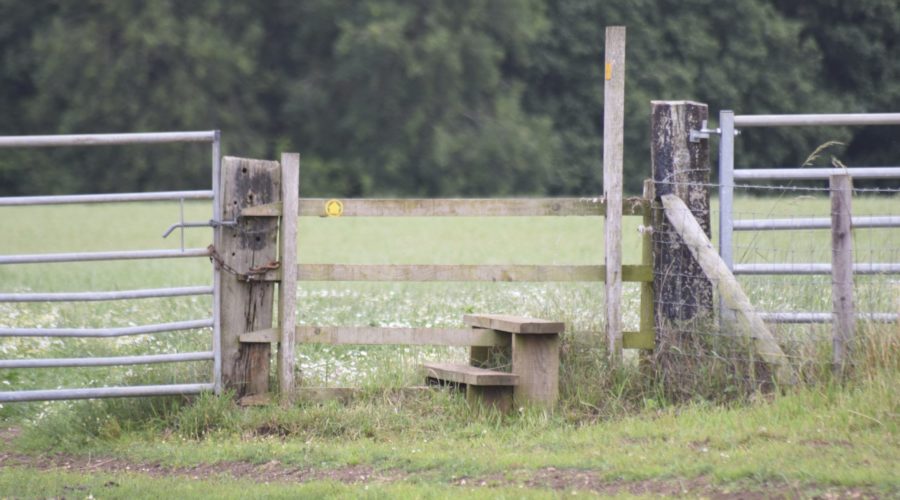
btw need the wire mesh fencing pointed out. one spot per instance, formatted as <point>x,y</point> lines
<point>771,312</point>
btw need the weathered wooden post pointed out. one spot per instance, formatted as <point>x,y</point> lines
<point>844,313</point>
<point>244,252</point>
<point>613,147</point>
<point>680,166</point>
<point>287,288</point>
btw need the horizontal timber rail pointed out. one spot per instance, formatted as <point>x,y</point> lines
<point>814,268</point>
<point>814,223</point>
<point>106,332</point>
<point>452,272</point>
<point>103,296</point>
<point>407,336</point>
<point>455,207</point>
<point>379,335</point>
<point>376,335</point>
<point>68,199</point>
<point>110,361</point>
<point>105,392</point>
<point>46,141</point>
<point>48,258</point>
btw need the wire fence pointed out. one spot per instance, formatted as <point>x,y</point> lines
<point>781,252</point>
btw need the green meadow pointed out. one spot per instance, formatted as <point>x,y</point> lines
<point>615,432</point>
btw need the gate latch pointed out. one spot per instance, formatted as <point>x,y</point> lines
<point>182,224</point>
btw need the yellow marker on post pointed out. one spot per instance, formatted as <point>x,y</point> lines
<point>609,71</point>
<point>334,208</point>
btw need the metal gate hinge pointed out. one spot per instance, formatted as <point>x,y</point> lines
<point>705,131</point>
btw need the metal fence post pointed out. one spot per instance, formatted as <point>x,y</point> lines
<point>726,201</point>
<point>217,280</point>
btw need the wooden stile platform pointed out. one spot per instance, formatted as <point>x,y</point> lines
<point>534,376</point>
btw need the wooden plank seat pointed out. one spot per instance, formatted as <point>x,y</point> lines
<point>534,374</point>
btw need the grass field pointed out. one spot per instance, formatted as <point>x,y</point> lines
<point>614,433</point>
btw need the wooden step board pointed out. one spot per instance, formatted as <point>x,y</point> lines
<point>514,324</point>
<point>483,388</point>
<point>469,375</point>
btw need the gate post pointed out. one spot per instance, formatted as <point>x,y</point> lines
<point>680,166</point>
<point>246,298</point>
<point>287,288</point>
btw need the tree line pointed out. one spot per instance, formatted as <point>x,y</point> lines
<point>437,98</point>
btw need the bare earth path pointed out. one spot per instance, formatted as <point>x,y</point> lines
<point>547,478</point>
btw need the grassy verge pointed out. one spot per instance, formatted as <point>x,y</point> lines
<point>812,440</point>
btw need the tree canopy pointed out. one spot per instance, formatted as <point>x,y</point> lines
<point>439,98</point>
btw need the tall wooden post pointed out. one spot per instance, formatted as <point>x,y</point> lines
<point>287,288</point>
<point>844,313</point>
<point>246,306</point>
<point>613,147</point>
<point>680,167</point>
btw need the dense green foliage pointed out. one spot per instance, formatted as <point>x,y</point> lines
<point>423,98</point>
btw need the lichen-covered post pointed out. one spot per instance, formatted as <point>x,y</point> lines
<point>680,167</point>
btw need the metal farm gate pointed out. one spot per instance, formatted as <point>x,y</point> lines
<point>207,137</point>
<point>729,178</point>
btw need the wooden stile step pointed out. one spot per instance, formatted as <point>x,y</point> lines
<point>469,375</point>
<point>514,324</point>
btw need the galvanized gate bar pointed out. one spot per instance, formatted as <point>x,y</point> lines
<point>106,332</point>
<point>815,268</point>
<point>813,223</point>
<point>216,271</point>
<point>66,199</point>
<point>110,361</point>
<point>44,141</point>
<point>812,317</point>
<point>817,120</point>
<point>104,392</point>
<point>47,258</point>
<point>814,173</point>
<point>214,138</point>
<point>101,296</point>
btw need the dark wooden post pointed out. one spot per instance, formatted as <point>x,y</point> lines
<point>680,167</point>
<point>246,306</point>
<point>844,313</point>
